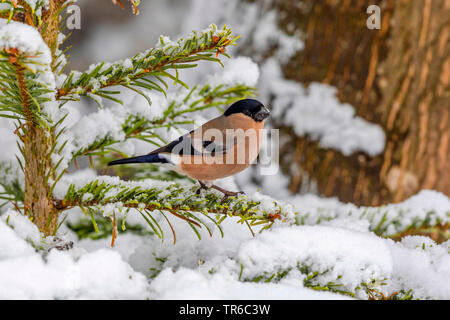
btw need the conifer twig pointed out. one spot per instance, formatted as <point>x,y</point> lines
<point>155,63</point>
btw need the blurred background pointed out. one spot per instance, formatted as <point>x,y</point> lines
<point>363,113</point>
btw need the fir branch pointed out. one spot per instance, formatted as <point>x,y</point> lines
<point>23,93</point>
<point>12,15</point>
<point>22,11</point>
<point>315,278</point>
<point>180,201</point>
<point>393,221</point>
<point>154,63</point>
<point>100,227</point>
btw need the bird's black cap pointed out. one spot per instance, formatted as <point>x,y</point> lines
<point>250,107</point>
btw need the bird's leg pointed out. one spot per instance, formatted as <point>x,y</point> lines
<point>226,192</point>
<point>203,186</point>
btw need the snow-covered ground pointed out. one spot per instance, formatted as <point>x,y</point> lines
<point>286,262</point>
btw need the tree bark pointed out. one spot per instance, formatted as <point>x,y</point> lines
<point>397,76</point>
<point>39,204</point>
<point>37,146</point>
<point>38,141</point>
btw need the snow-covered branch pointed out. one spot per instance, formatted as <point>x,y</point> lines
<point>148,70</point>
<point>27,81</point>
<point>109,194</point>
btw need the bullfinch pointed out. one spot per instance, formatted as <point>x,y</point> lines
<point>222,147</point>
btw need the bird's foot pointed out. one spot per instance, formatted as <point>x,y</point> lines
<point>203,186</point>
<point>231,194</point>
<point>226,193</point>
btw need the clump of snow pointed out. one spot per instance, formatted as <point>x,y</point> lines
<point>11,244</point>
<point>337,240</point>
<point>323,249</point>
<point>101,124</point>
<point>23,227</point>
<point>423,265</point>
<point>27,272</point>
<point>99,275</point>
<point>240,70</point>
<point>29,41</point>
<point>314,112</point>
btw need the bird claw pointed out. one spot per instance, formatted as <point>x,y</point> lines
<point>226,193</point>
<point>202,187</point>
<point>230,194</point>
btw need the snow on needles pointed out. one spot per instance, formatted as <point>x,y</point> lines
<point>29,41</point>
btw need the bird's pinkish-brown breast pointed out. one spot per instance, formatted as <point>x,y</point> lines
<point>247,137</point>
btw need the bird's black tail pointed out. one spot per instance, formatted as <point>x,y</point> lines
<point>148,158</point>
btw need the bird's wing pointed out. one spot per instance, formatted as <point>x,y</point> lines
<point>191,145</point>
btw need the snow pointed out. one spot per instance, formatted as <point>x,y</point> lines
<point>216,267</point>
<point>421,264</point>
<point>240,70</point>
<point>11,244</point>
<point>22,227</point>
<point>29,274</point>
<point>188,284</point>
<point>98,125</point>
<point>28,40</point>
<point>324,249</point>
<point>99,275</point>
<point>427,205</point>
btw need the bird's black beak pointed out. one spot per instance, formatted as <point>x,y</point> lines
<point>262,114</point>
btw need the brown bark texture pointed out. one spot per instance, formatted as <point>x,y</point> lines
<point>396,76</point>
<point>38,200</point>
<point>38,141</point>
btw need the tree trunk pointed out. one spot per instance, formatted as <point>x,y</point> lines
<point>397,76</point>
<point>37,146</point>
<point>38,199</point>
<point>38,142</point>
